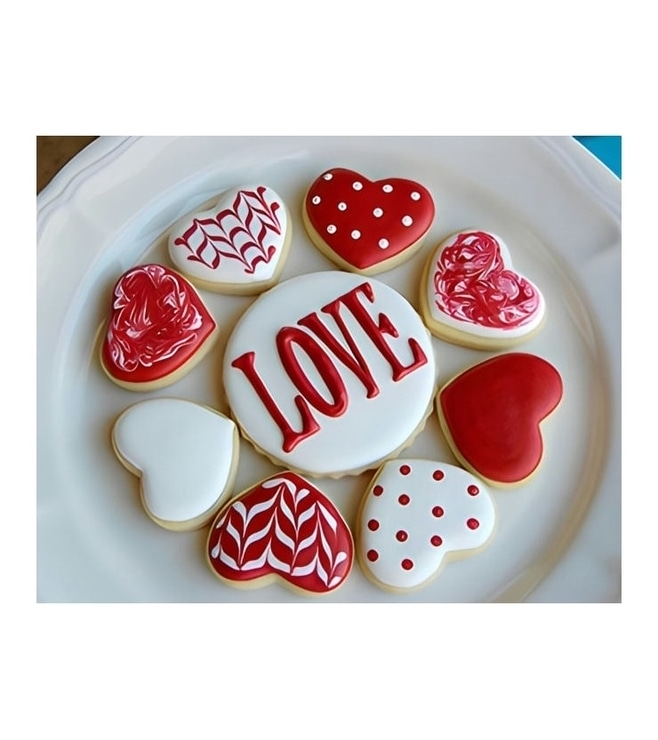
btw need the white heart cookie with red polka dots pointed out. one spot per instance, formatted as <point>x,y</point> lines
<point>363,226</point>
<point>415,515</point>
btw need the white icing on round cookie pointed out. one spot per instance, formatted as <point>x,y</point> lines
<point>416,512</point>
<point>330,373</point>
<point>472,288</point>
<point>185,455</point>
<point>239,244</point>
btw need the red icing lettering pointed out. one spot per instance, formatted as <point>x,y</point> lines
<point>285,340</point>
<point>351,357</point>
<point>291,438</point>
<point>378,330</point>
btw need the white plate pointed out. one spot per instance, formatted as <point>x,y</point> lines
<point>557,207</point>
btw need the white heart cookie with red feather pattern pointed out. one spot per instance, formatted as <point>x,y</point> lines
<point>237,246</point>
<point>185,455</point>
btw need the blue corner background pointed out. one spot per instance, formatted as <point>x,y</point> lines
<point>606,148</point>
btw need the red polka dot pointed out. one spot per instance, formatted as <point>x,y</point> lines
<point>405,470</point>
<point>438,475</point>
<point>473,490</point>
<point>407,564</point>
<point>377,491</point>
<point>373,525</point>
<point>372,555</point>
<point>404,499</point>
<point>401,536</point>
<point>437,511</point>
<point>472,524</point>
<point>436,541</point>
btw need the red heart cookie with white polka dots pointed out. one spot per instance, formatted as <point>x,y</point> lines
<point>158,329</point>
<point>285,529</point>
<point>363,226</point>
<point>491,415</point>
<point>416,515</point>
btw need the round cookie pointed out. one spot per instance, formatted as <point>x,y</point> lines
<point>158,329</point>
<point>471,295</point>
<point>363,226</point>
<point>239,246</point>
<point>186,457</point>
<point>282,529</point>
<point>330,373</point>
<point>415,516</point>
<point>491,415</point>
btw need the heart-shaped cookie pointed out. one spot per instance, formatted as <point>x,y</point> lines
<point>363,226</point>
<point>158,329</point>
<point>491,415</point>
<point>471,294</point>
<point>283,528</point>
<point>185,455</point>
<point>237,246</point>
<point>417,514</point>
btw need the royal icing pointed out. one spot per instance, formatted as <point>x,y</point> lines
<point>239,243</point>
<point>472,288</point>
<point>329,373</point>
<point>284,527</point>
<point>157,324</point>
<point>185,455</point>
<point>491,414</point>
<point>414,514</point>
<point>367,223</point>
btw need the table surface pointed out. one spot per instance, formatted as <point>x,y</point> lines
<point>53,152</point>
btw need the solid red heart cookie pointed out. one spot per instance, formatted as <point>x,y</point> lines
<point>158,329</point>
<point>491,415</point>
<point>283,528</point>
<point>363,226</point>
<point>471,294</point>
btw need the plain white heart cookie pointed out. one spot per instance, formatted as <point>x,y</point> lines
<point>185,455</point>
<point>414,515</point>
<point>237,246</point>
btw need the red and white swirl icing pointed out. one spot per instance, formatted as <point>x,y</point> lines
<point>237,242</point>
<point>473,287</point>
<point>414,514</point>
<point>284,526</point>
<point>157,323</point>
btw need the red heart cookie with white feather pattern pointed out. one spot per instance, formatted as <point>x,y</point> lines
<point>363,226</point>
<point>158,329</point>
<point>491,415</point>
<point>285,529</point>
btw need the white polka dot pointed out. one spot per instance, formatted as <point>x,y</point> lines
<point>407,220</point>
<point>383,243</point>
<point>331,229</point>
<point>357,185</point>
<point>316,199</point>
<point>342,206</point>
<point>377,213</point>
<point>356,234</point>
<point>387,188</point>
<point>327,176</point>
<point>415,196</point>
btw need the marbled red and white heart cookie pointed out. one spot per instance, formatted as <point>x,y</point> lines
<point>282,529</point>
<point>491,415</point>
<point>471,295</point>
<point>186,457</point>
<point>363,226</point>
<point>415,516</point>
<point>238,246</point>
<point>158,329</point>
